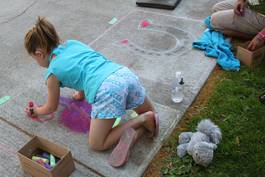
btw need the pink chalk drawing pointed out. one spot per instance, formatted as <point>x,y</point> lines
<point>145,23</point>
<point>76,115</point>
<point>125,41</point>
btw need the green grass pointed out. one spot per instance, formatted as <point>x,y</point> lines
<point>234,107</point>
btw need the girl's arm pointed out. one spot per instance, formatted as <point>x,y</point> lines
<point>51,105</point>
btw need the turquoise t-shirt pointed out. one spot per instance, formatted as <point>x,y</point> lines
<point>79,67</point>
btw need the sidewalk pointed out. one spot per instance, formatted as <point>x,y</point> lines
<point>154,53</point>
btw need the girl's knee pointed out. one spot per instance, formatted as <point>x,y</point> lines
<point>95,145</point>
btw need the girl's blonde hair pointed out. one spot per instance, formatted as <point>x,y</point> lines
<point>43,36</point>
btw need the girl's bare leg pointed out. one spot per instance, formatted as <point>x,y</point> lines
<point>102,136</point>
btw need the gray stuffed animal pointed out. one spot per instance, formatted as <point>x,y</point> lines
<point>201,144</point>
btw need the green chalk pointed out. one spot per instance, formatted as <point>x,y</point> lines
<point>113,21</point>
<point>134,114</point>
<point>4,99</point>
<point>118,120</point>
<point>150,21</point>
<point>52,161</point>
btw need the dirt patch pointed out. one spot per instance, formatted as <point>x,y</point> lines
<point>197,106</point>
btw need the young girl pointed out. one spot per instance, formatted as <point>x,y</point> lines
<point>109,87</point>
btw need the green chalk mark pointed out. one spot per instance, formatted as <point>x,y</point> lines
<point>4,99</point>
<point>113,21</point>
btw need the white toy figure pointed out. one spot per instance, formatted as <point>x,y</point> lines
<point>201,144</point>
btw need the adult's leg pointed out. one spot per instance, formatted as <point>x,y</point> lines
<point>244,27</point>
<point>237,34</point>
<point>224,5</point>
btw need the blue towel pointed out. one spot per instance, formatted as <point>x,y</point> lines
<point>216,46</point>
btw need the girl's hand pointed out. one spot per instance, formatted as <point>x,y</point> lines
<point>31,111</point>
<point>255,43</point>
<point>239,8</point>
<point>78,95</point>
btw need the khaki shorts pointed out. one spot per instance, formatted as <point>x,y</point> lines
<point>223,17</point>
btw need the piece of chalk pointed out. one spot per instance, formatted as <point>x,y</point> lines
<point>134,114</point>
<point>52,161</point>
<point>36,158</point>
<point>31,106</point>
<point>4,99</point>
<point>46,155</point>
<point>46,165</point>
<point>117,121</point>
<point>113,21</point>
<point>40,162</point>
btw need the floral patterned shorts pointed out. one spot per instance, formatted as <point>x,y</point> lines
<point>121,91</point>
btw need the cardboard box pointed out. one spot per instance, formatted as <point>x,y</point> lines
<point>64,167</point>
<point>250,58</point>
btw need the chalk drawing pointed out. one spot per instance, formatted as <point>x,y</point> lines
<point>180,37</point>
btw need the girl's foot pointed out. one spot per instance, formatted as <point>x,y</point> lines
<point>121,152</point>
<point>150,123</point>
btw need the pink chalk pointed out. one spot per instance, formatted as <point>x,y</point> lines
<point>145,23</point>
<point>125,41</point>
<point>31,105</point>
<point>75,115</point>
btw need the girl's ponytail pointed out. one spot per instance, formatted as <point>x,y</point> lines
<point>43,35</point>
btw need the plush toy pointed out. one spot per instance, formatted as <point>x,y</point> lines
<point>201,144</point>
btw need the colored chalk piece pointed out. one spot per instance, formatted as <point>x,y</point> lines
<point>134,114</point>
<point>4,99</point>
<point>52,161</point>
<point>46,165</point>
<point>36,158</point>
<point>113,21</point>
<point>118,120</point>
<point>46,155</point>
<point>40,162</point>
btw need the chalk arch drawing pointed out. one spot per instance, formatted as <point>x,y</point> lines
<point>168,40</point>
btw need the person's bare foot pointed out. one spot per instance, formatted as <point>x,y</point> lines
<point>149,122</point>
